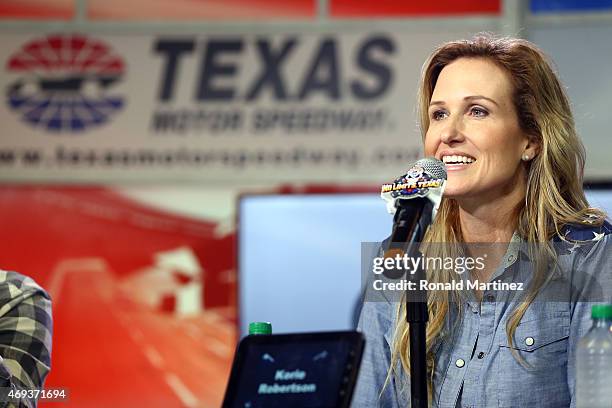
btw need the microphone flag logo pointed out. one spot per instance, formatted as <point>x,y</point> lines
<point>426,178</point>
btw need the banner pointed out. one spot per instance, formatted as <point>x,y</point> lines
<point>37,9</point>
<point>223,108</point>
<point>143,289</point>
<point>188,10</point>
<point>401,8</point>
<point>569,6</point>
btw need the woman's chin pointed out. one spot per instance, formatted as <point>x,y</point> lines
<point>455,192</point>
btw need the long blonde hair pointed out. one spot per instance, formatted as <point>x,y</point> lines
<point>554,195</point>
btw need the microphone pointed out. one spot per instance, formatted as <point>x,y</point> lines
<point>414,199</point>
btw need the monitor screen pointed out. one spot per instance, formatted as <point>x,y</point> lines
<point>295,370</point>
<point>300,258</point>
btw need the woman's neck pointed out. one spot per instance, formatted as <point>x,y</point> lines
<point>490,219</point>
<point>491,227</point>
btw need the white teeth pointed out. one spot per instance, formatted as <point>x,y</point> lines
<point>457,159</point>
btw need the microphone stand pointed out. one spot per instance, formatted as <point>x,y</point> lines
<point>416,225</point>
<point>417,317</point>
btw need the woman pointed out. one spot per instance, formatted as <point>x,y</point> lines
<point>495,112</point>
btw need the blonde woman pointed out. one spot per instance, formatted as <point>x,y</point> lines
<point>496,113</point>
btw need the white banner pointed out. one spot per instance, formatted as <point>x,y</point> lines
<point>211,108</point>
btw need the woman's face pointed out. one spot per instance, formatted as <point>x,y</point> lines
<point>474,129</point>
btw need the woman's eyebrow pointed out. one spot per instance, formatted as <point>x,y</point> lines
<point>470,98</point>
<point>467,98</point>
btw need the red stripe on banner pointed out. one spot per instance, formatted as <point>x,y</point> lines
<point>403,8</point>
<point>17,64</point>
<point>36,9</point>
<point>77,44</point>
<point>201,9</point>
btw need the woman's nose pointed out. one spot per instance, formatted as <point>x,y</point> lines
<point>452,131</point>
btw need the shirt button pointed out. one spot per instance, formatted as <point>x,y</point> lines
<point>529,341</point>
<point>481,355</point>
<point>460,362</point>
<point>511,258</point>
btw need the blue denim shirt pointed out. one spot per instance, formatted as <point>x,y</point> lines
<point>474,364</point>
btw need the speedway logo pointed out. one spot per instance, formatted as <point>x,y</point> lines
<point>64,83</point>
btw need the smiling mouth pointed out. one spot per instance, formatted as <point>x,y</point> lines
<point>458,160</point>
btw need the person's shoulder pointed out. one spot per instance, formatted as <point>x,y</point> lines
<point>15,284</point>
<point>584,233</point>
<point>585,243</point>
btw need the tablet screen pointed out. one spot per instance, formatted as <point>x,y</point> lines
<point>300,370</point>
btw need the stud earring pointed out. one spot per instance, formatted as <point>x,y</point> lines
<point>525,157</point>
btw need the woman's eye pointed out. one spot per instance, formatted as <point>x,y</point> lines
<point>478,112</point>
<point>438,115</point>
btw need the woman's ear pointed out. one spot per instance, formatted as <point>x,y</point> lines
<point>532,149</point>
